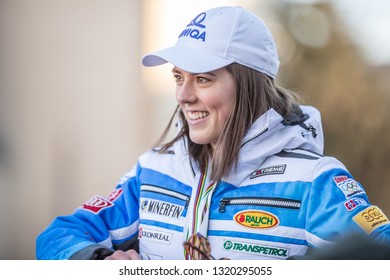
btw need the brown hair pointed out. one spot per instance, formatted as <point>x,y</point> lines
<point>256,93</point>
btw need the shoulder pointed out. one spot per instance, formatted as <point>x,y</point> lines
<point>308,157</point>
<point>156,154</point>
<point>306,165</point>
<point>174,163</point>
<point>300,154</point>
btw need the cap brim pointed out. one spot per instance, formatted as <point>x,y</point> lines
<point>186,58</point>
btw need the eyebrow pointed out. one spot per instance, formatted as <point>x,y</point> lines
<point>176,70</point>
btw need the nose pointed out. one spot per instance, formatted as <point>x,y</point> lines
<point>185,93</point>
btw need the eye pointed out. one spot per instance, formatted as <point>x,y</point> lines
<point>201,79</point>
<point>178,78</point>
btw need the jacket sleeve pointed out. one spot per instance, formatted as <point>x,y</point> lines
<point>338,207</point>
<point>97,228</point>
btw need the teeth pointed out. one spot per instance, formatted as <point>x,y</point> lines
<point>197,115</point>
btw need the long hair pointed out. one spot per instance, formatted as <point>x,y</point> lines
<point>256,93</point>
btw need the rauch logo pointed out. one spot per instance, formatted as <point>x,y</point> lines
<point>256,219</point>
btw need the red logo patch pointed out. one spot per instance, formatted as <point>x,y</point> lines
<point>115,194</point>
<point>96,204</point>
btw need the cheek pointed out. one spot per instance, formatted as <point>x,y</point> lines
<point>229,104</point>
<point>225,100</point>
<point>227,111</point>
<point>222,112</point>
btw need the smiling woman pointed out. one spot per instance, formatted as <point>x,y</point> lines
<point>243,178</point>
<point>207,101</point>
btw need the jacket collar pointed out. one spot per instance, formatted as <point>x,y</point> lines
<point>269,135</point>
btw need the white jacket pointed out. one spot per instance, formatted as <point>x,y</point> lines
<point>283,198</point>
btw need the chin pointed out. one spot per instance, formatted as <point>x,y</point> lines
<point>199,140</point>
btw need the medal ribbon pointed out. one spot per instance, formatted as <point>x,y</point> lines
<point>201,211</point>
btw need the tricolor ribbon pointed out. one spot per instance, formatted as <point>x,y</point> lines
<point>200,214</point>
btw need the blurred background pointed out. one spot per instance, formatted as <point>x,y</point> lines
<point>77,108</point>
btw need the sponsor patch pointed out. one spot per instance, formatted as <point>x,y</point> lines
<point>354,202</point>
<point>256,249</point>
<point>371,218</point>
<point>115,194</point>
<point>348,186</point>
<point>96,204</point>
<point>155,236</point>
<point>277,169</point>
<point>256,219</point>
<point>161,208</point>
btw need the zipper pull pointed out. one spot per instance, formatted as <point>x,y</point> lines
<point>222,205</point>
<point>187,202</point>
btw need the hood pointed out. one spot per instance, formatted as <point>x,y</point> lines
<point>271,134</point>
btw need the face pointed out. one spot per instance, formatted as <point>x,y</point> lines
<point>207,101</point>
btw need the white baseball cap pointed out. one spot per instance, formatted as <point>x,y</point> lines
<point>219,37</point>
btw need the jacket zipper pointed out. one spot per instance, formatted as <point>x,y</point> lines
<point>167,192</point>
<point>259,201</point>
<point>244,141</point>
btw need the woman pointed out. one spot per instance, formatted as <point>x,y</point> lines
<point>244,178</point>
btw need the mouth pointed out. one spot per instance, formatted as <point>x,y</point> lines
<point>193,116</point>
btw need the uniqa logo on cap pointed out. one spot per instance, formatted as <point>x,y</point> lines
<point>192,31</point>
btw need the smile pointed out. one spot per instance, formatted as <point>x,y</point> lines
<point>197,115</point>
